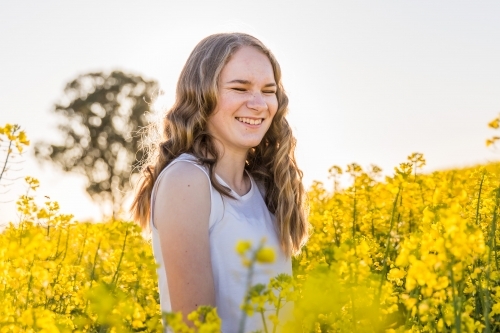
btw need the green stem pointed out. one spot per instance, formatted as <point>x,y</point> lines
<point>29,285</point>
<point>247,299</point>
<point>114,281</point>
<point>263,320</point>
<point>491,240</point>
<point>415,294</point>
<point>388,244</point>
<point>478,297</point>
<point>354,211</point>
<point>84,241</point>
<point>456,312</point>
<point>277,313</point>
<point>9,150</point>
<point>399,214</point>
<point>249,285</point>
<point>81,253</point>
<point>66,244</point>
<point>485,306</point>
<point>479,198</point>
<point>93,272</point>
<point>57,247</point>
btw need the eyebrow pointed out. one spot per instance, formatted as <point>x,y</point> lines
<point>248,82</point>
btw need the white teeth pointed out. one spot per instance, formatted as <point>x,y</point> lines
<point>250,121</point>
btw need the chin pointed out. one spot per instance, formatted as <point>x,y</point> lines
<point>252,144</point>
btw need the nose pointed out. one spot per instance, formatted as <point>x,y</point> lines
<point>257,102</point>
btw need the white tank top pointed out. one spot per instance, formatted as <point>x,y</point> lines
<point>231,220</point>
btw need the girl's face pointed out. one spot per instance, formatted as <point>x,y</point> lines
<point>247,100</point>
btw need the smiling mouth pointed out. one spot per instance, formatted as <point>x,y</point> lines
<point>250,121</point>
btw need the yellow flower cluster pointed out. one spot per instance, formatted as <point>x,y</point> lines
<point>14,136</point>
<point>204,319</point>
<point>410,253</point>
<point>415,253</point>
<point>57,275</point>
<point>258,295</point>
<point>10,136</point>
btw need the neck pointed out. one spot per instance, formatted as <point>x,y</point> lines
<point>231,168</point>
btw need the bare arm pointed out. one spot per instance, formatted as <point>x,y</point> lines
<point>181,215</point>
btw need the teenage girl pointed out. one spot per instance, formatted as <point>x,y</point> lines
<point>224,171</point>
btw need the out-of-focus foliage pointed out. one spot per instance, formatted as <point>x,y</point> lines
<point>57,275</point>
<point>99,116</point>
<point>204,320</point>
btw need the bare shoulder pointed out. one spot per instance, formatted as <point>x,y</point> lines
<point>182,187</point>
<point>183,174</point>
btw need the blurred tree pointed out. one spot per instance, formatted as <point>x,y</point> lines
<point>100,115</point>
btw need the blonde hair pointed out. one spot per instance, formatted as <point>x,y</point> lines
<point>184,128</point>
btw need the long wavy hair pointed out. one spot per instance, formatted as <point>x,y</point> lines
<point>184,130</point>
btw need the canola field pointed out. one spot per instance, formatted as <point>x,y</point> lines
<point>411,252</point>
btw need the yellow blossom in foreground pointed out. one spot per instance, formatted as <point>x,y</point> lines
<point>243,246</point>
<point>265,255</point>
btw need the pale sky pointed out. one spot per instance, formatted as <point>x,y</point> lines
<point>368,81</point>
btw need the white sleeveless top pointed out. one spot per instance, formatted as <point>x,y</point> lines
<point>231,220</point>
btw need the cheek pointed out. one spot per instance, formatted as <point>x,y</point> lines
<point>213,122</point>
<point>273,107</point>
<point>229,101</point>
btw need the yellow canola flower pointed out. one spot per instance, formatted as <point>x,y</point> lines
<point>62,261</point>
<point>495,123</point>
<point>396,274</point>
<point>15,136</point>
<point>265,255</point>
<point>33,183</point>
<point>243,246</point>
<point>406,246</point>
<point>23,139</point>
